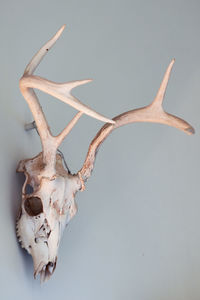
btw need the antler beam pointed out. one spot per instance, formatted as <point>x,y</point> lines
<point>62,91</point>
<point>152,113</point>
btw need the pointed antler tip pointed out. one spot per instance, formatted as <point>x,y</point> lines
<point>172,63</point>
<point>73,84</point>
<point>63,26</point>
<point>190,130</point>
<point>60,31</point>
<point>83,81</point>
<point>88,80</point>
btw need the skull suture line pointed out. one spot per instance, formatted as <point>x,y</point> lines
<point>48,193</point>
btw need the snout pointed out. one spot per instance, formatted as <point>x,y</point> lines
<point>45,270</point>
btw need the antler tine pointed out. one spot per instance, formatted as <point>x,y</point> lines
<point>161,91</point>
<point>42,52</point>
<point>152,113</point>
<point>30,95</point>
<point>61,91</point>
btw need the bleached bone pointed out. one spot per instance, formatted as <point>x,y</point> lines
<point>49,190</point>
<point>61,91</point>
<point>154,113</point>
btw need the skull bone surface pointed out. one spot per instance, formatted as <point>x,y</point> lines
<point>47,207</point>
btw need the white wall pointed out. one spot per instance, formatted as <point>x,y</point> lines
<point>137,232</point>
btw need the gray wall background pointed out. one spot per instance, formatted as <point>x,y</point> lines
<point>137,231</point>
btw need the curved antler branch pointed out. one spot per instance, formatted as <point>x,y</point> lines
<point>152,113</point>
<point>61,91</point>
<point>29,94</point>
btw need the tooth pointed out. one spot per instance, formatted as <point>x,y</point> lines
<point>42,276</point>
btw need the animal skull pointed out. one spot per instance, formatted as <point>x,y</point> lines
<point>49,190</point>
<point>45,211</point>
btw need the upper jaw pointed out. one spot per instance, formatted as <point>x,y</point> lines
<point>45,270</point>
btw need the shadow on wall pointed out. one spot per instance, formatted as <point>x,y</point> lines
<point>17,181</point>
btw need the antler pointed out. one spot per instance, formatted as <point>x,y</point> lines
<point>61,91</point>
<point>152,113</point>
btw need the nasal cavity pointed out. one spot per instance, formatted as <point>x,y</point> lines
<point>29,189</point>
<point>33,206</point>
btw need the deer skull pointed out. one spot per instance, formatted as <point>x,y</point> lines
<point>49,190</point>
<point>45,211</point>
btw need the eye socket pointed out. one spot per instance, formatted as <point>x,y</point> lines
<point>33,206</point>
